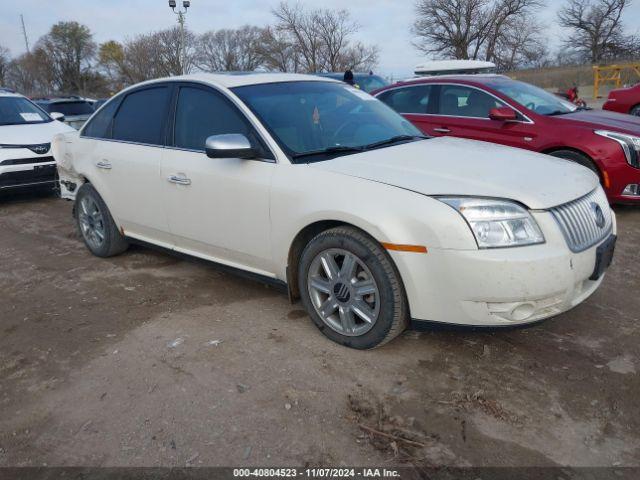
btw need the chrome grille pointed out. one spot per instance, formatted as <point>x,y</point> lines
<point>581,222</point>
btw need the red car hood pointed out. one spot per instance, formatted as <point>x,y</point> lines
<point>603,120</point>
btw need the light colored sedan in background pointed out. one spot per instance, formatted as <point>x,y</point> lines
<point>314,185</point>
<point>26,132</point>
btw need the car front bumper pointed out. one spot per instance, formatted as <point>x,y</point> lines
<point>501,287</point>
<point>21,168</point>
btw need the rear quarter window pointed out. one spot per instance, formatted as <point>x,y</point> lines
<point>100,125</point>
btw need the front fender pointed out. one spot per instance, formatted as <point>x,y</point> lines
<point>302,196</point>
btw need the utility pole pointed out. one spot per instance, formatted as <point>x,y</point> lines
<point>181,20</point>
<point>24,33</point>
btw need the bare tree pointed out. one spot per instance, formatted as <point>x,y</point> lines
<point>321,38</point>
<point>467,29</point>
<point>521,45</point>
<point>69,49</point>
<point>230,50</point>
<point>277,52</point>
<point>32,74</point>
<point>153,55</point>
<point>597,30</point>
<point>5,60</point>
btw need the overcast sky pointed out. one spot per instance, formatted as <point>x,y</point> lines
<point>383,22</point>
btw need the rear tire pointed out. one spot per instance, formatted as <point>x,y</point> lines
<point>362,304</point>
<point>95,224</point>
<point>635,111</point>
<point>577,158</point>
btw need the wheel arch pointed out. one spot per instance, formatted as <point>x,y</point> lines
<point>302,239</point>
<point>551,150</point>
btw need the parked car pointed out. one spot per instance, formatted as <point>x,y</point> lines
<point>320,188</point>
<point>25,143</point>
<point>76,110</point>
<point>497,109</point>
<point>624,100</point>
<point>367,82</point>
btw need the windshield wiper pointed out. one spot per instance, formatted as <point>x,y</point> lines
<point>393,141</point>
<point>328,151</point>
<point>557,112</point>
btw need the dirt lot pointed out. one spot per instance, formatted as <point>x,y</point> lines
<point>147,359</point>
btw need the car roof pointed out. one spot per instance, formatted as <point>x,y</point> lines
<point>241,79</point>
<point>481,79</point>
<point>5,92</point>
<point>61,100</point>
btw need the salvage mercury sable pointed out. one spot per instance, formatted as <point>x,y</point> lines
<point>319,187</point>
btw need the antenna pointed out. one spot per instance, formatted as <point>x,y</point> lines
<point>24,32</point>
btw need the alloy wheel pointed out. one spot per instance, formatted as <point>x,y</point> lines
<point>91,222</point>
<point>343,292</point>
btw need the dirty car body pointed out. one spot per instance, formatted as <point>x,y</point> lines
<point>318,186</point>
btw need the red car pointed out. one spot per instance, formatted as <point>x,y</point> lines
<point>497,109</point>
<point>624,100</point>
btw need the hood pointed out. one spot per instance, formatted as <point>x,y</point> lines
<point>452,166</point>
<point>603,120</point>
<point>31,134</point>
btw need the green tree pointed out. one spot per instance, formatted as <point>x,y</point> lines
<point>69,49</point>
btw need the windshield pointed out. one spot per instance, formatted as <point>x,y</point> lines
<point>70,109</point>
<point>369,83</point>
<point>534,98</point>
<point>20,111</point>
<point>309,118</point>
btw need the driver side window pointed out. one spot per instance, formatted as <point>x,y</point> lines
<point>201,113</point>
<point>461,101</point>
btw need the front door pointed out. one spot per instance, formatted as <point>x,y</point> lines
<point>217,209</point>
<point>463,111</point>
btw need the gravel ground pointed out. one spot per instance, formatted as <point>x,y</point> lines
<point>150,360</point>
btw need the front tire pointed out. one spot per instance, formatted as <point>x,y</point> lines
<point>96,226</point>
<point>351,289</point>
<point>635,111</point>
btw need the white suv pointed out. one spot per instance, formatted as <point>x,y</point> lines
<point>25,143</point>
<point>319,187</point>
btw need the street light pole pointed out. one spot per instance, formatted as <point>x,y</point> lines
<point>181,20</point>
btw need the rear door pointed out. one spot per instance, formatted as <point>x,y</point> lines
<point>126,163</point>
<point>415,103</point>
<point>463,111</point>
<point>218,209</point>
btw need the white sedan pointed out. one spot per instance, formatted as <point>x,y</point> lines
<point>316,186</point>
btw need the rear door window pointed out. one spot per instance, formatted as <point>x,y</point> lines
<point>408,100</point>
<point>142,116</point>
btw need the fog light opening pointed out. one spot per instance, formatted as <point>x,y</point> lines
<point>523,312</point>
<point>632,190</point>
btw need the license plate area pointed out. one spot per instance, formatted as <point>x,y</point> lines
<point>604,257</point>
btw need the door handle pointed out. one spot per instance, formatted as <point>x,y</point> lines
<point>442,130</point>
<point>179,180</point>
<point>104,165</point>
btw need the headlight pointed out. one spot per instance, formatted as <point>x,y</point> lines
<point>630,145</point>
<point>497,223</point>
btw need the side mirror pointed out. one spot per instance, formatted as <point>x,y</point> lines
<point>503,114</point>
<point>57,116</point>
<point>229,146</point>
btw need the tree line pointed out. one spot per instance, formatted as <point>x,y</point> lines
<point>508,32</point>
<point>67,60</point>
<point>309,40</point>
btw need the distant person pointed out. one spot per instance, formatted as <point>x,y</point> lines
<point>349,78</point>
